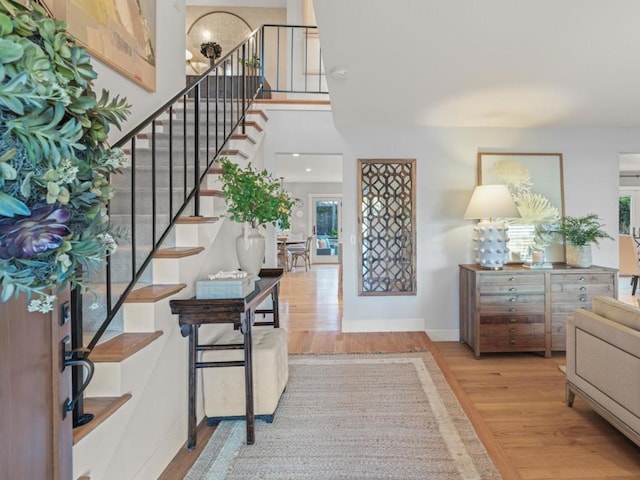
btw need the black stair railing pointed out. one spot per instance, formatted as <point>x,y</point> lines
<point>170,154</point>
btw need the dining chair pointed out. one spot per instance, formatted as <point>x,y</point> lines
<point>283,254</point>
<point>628,261</point>
<point>301,252</point>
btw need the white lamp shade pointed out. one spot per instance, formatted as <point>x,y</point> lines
<point>491,201</point>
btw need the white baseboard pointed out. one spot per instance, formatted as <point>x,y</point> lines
<point>398,325</point>
<point>449,335</point>
<point>383,325</point>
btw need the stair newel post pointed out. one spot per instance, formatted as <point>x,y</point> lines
<point>261,37</point>
<point>78,383</point>
<point>243,94</point>
<point>196,152</point>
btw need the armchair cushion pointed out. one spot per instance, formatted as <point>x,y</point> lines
<point>616,311</point>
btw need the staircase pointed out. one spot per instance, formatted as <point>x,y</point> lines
<point>169,207</point>
<point>139,391</point>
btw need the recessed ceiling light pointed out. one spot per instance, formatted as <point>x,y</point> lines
<point>295,154</point>
<point>307,169</point>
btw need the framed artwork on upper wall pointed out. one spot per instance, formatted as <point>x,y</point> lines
<point>536,185</point>
<point>120,33</point>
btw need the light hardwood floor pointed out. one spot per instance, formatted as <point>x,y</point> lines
<point>516,401</point>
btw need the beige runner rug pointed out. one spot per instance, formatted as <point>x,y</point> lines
<point>354,417</point>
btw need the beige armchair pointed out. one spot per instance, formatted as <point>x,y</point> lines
<point>603,362</point>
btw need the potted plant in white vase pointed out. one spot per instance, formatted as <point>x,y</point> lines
<point>255,199</point>
<point>579,234</point>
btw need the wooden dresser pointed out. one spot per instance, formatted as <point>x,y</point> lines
<point>518,309</point>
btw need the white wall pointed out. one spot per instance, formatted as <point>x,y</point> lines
<point>446,175</point>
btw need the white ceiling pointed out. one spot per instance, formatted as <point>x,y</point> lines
<point>488,63</point>
<point>309,167</point>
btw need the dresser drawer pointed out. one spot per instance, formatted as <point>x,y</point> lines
<point>559,342</point>
<point>512,304</point>
<point>511,330</point>
<point>510,283</point>
<point>511,288</point>
<point>575,280</point>
<point>511,319</point>
<point>513,342</point>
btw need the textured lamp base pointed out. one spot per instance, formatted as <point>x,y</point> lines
<point>490,244</point>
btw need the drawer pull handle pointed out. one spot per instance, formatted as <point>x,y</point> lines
<point>513,289</point>
<point>583,298</point>
<point>512,330</point>
<point>512,310</point>
<point>513,320</point>
<point>583,288</point>
<point>582,279</point>
<point>512,341</point>
<point>512,279</point>
<point>512,299</point>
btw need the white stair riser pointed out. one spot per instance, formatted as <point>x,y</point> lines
<point>196,235</point>
<point>151,317</point>
<point>172,270</point>
<point>113,379</point>
<point>92,455</point>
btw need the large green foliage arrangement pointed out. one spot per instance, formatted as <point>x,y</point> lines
<point>254,196</point>
<point>54,159</point>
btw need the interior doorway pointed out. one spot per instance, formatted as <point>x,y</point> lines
<point>629,194</point>
<point>326,227</point>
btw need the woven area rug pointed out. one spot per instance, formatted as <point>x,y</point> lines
<point>354,417</point>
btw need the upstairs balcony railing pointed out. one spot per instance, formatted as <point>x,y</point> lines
<point>170,154</point>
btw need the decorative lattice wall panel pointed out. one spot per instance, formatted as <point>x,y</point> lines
<point>387,227</point>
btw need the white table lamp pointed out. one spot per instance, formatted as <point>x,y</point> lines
<point>490,237</point>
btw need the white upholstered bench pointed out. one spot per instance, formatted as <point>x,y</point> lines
<point>223,387</point>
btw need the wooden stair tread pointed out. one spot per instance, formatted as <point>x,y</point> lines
<point>243,136</point>
<point>211,193</point>
<point>122,346</point>
<point>231,152</point>
<point>256,111</point>
<point>253,124</point>
<point>215,169</point>
<point>102,408</point>
<point>154,293</point>
<point>178,252</point>
<point>197,220</point>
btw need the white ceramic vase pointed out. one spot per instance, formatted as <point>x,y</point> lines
<point>579,256</point>
<point>250,248</point>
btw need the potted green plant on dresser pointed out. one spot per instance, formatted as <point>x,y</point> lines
<point>579,234</point>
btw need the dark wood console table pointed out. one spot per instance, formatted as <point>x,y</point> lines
<point>241,312</point>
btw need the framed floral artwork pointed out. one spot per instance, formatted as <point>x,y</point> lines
<point>536,185</point>
<point>120,33</point>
